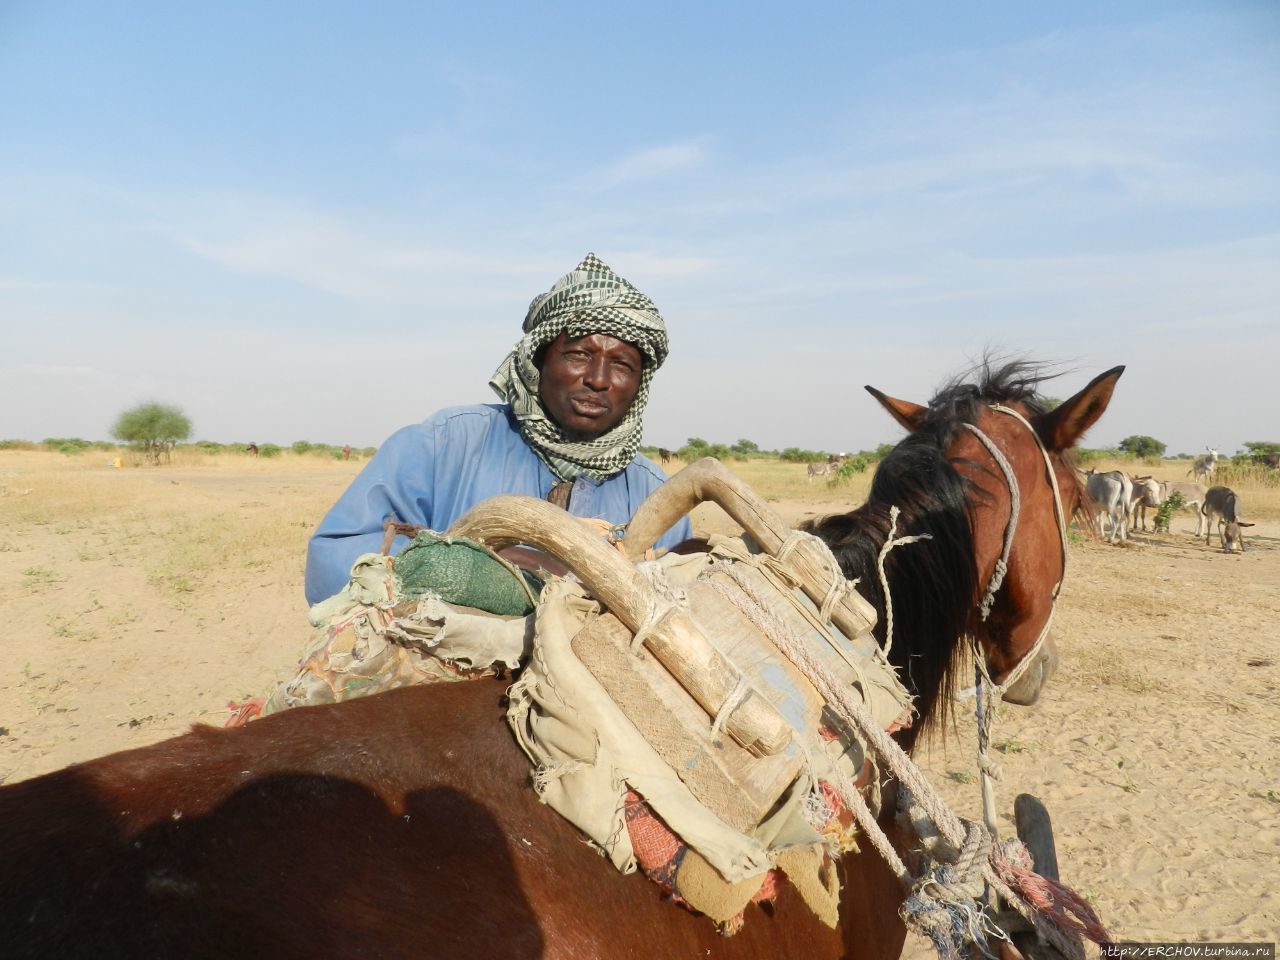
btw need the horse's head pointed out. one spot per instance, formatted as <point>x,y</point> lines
<point>1012,454</point>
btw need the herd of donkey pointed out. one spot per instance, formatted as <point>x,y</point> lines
<point>1122,499</point>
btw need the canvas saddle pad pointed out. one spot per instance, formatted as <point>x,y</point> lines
<point>600,717</point>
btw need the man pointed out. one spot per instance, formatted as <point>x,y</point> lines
<point>575,388</point>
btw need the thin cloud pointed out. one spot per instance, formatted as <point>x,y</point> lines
<point>654,164</point>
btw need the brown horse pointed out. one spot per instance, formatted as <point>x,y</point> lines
<point>947,484</point>
<point>402,825</point>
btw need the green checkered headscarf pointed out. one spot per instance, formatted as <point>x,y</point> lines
<point>590,299</point>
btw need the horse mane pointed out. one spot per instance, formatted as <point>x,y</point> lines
<point>933,582</point>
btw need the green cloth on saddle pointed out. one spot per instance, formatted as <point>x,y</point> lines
<point>464,572</point>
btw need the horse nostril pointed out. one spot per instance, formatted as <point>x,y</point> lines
<point>1026,690</point>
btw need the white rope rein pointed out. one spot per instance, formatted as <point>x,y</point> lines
<point>1015,509</point>
<point>888,545</point>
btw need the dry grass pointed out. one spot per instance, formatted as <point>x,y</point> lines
<point>139,599</point>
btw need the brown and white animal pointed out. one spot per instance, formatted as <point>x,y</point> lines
<point>1203,467</point>
<point>1223,504</point>
<point>1111,493</point>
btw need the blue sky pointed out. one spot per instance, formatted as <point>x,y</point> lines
<point>323,221</point>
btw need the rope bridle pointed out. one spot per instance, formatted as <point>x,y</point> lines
<point>1002,564</point>
<point>988,693</point>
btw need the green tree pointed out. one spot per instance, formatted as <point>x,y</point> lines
<point>745,448</point>
<point>695,449</point>
<point>152,428</point>
<point>1144,448</point>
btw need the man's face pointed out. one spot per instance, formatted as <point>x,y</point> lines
<point>588,383</point>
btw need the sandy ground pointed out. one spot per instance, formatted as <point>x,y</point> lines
<point>139,600</point>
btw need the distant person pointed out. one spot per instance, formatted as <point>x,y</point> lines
<point>574,390</point>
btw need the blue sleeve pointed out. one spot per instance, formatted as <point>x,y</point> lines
<point>396,483</point>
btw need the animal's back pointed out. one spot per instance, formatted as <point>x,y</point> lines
<point>399,825</point>
<point>1221,502</point>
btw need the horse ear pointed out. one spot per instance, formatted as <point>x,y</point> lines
<point>1064,425</point>
<point>910,415</point>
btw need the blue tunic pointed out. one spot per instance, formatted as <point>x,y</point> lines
<point>433,472</point>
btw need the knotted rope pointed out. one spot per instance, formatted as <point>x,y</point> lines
<point>987,692</point>
<point>1068,909</point>
<point>888,545</point>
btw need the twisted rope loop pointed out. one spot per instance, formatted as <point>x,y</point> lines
<point>889,544</point>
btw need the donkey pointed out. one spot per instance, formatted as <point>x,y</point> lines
<point>1111,491</point>
<point>823,469</point>
<point>1146,493</point>
<point>1223,504</point>
<point>1203,467</point>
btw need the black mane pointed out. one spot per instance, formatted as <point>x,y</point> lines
<point>933,582</point>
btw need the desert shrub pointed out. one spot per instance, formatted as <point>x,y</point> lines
<point>208,446</point>
<point>73,445</point>
<point>67,444</point>
<point>1172,504</point>
<point>697,448</point>
<point>796,455</point>
<point>17,445</point>
<point>368,451</point>
<point>270,450</point>
<point>1085,455</point>
<point>302,446</point>
<point>855,464</point>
